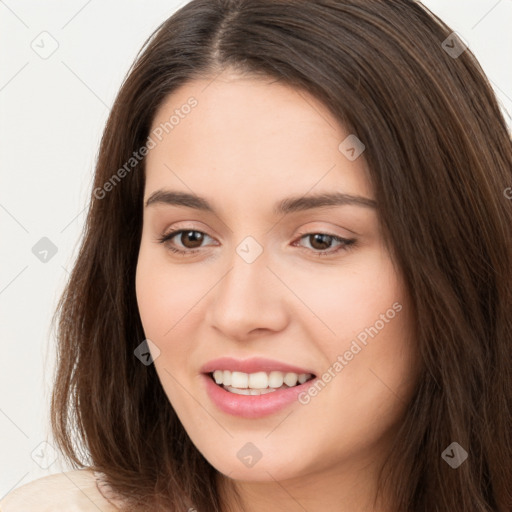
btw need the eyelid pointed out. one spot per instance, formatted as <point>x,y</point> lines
<point>334,230</point>
<point>176,231</point>
<point>345,244</point>
<point>303,231</point>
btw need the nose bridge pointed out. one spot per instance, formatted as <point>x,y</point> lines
<point>247,298</point>
<point>247,281</point>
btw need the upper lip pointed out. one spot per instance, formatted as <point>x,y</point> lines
<point>252,365</point>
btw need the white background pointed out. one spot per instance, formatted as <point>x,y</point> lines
<point>52,114</point>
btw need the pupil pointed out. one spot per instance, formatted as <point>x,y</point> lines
<point>322,238</point>
<point>195,239</point>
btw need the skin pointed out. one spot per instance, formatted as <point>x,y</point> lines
<point>249,143</point>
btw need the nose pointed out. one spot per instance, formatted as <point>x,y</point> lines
<point>249,298</point>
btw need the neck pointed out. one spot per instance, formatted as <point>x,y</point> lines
<point>344,488</point>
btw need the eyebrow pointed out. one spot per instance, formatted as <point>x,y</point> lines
<point>287,205</point>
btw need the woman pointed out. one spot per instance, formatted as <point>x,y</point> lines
<point>295,285</point>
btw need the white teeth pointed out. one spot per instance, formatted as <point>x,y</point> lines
<point>249,391</point>
<point>275,379</point>
<point>290,379</point>
<point>239,380</point>
<point>258,381</point>
<point>240,391</point>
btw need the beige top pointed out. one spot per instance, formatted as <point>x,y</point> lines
<point>81,490</point>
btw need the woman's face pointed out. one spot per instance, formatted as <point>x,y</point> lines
<point>253,283</point>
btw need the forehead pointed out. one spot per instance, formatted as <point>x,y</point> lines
<point>250,135</point>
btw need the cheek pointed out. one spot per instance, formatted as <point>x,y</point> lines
<point>166,296</point>
<point>362,314</point>
<point>345,299</point>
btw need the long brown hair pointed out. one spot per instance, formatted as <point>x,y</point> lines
<point>440,157</point>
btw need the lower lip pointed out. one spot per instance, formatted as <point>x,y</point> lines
<point>253,406</point>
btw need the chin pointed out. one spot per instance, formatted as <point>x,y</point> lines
<point>261,471</point>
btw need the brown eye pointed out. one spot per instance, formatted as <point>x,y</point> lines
<point>321,243</point>
<point>191,239</point>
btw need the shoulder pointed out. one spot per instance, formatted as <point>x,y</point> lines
<point>76,491</point>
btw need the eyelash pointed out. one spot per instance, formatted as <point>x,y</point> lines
<point>346,243</point>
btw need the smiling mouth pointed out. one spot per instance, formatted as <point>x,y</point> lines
<point>258,383</point>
